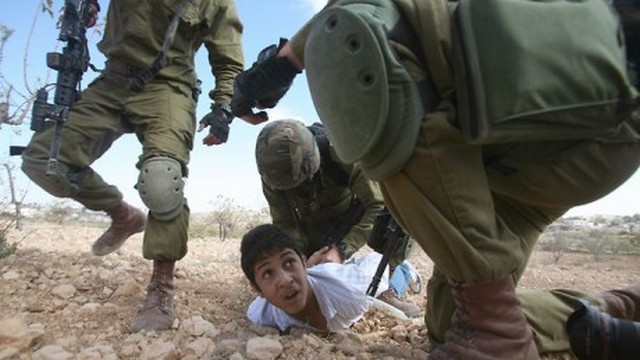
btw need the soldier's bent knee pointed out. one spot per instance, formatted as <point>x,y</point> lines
<point>161,186</point>
<point>57,184</point>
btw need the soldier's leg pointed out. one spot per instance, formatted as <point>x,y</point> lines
<point>442,197</point>
<point>526,223</point>
<point>95,122</point>
<point>556,187</point>
<point>164,116</point>
<point>469,237</point>
<point>93,125</point>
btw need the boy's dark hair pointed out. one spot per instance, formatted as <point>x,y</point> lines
<point>261,241</point>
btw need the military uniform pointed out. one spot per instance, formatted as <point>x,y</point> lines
<point>478,210</point>
<point>325,208</point>
<point>162,116</point>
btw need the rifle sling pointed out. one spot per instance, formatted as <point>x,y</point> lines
<point>140,80</point>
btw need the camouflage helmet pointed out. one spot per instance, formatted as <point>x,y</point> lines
<point>286,154</point>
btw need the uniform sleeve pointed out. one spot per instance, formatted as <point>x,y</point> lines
<point>223,41</point>
<point>280,214</point>
<point>368,192</point>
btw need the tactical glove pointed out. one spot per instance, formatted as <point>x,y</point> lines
<point>218,121</point>
<point>265,83</point>
<point>91,17</point>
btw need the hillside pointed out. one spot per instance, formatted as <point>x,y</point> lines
<point>60,302</point>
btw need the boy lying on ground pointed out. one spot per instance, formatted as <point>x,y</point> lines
<point>325,297</point>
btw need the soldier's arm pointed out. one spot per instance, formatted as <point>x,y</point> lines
<point>269,79</point>
<point>223,41</point>
<point>368,192</point>
<point>222,38</point>
<point>279,208</point>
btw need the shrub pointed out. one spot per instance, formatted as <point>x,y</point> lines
<point>6,248</point>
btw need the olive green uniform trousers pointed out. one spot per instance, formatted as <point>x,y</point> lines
<point>478,210</point>
<point>162,117</point>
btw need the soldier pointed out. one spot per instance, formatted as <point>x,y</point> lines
<point>149,87</point>
<point>327,207</point>
<point>380,74</point>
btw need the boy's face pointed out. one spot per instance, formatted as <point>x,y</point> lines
<point>282,279</point>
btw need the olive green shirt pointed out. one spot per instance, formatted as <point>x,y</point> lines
<point>318,208</point>
<point>135,32</point>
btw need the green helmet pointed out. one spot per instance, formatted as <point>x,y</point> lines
<point>286,154</point>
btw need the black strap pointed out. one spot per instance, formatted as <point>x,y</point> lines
<point>138,82</point>
<point>328,166</point>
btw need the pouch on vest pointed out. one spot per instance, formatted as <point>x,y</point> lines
<point>539,70</point>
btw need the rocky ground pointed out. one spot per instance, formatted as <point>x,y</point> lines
<point>57,301</point>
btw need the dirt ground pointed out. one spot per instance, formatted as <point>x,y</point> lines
<point>58,301</point>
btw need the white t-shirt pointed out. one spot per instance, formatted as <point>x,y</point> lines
<point>341,290</point>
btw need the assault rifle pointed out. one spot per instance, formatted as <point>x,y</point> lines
<point>71,64</point>
<point>386,238</point>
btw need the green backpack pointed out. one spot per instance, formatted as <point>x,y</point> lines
<point>538,70</point>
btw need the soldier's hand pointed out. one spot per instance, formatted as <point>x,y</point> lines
<point>324,255</point>
<point>94,8</point>
<point>264,84</point>
<point>243,107</point>
<point>218,121</point>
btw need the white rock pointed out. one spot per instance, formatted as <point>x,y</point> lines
<point>263,348</point>
<point>64,291</point>
<point>159,350</point>
<point>197,326</point>
<point>52,352</point>
<point>15,333</point>
<point>11,275</point>
<point>202,346</point>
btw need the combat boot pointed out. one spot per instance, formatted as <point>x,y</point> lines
<point>621,303</point>
<point>409,309</point>
<point>126,220</point>
<point>157,312</point>
<point>488,323</point>
<point>595,335</point>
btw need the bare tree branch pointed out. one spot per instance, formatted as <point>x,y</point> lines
<point>17,204</point>
<point>46,7</point>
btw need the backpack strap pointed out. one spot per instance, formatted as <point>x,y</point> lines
<point>328,165</point>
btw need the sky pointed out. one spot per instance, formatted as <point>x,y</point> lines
<point>226,170</point>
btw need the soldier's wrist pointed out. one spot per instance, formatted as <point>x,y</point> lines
<point>225,109</point>
<point>345,250</point>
